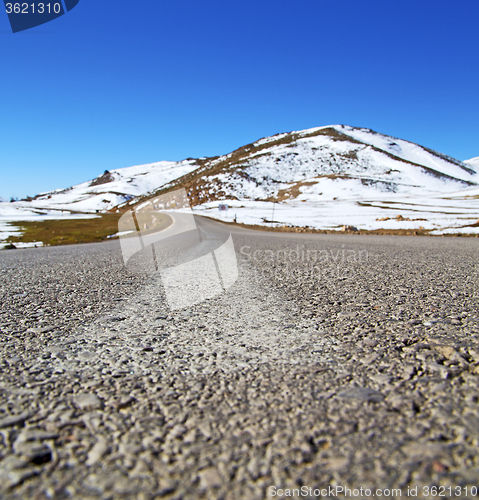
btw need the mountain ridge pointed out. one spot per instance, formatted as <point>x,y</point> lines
<point>212,178</point>
<point>215,177</point>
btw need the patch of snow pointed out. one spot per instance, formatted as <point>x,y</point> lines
<point>473,162</point>
<point>408,151</point>
<point>267,140</point>
<point>128,183</point>
<point>443,215</point>
<point>19,245</point>
<point>120,233</point>
<point>16,212</point>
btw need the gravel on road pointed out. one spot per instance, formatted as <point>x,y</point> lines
<point>332,361</point>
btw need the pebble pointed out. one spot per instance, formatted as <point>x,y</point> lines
<point>140,469</point>
<point>10,479</point>
<point>42,329</point>
<point>87,402</point>
<point>381,379</point>
<point>99,450</point>
<point>37,453</point>
<point>209,478</point>
<point>14,420</point>
<point>362,393</point>
<point>35,435</point>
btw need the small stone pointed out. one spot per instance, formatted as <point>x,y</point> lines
<point>362,393</point>
<point>381,379</point>
<point>99,450</point>
<point>14,420</point>
<point>475,369</point>
<point>124,402</point>
<point>474,353</point>
<point>409,371</point>
<point>439,467</point>
<point>253,468</point>
<point>337,464</point>
<point>37,453</point>
<point>13,462</point>
<point>424,450</point>
<point>177,431</point>
<point>86,355</point>
<point>10,479</point>
<point>140,470</point>
<point>472,422</point>
<point>369,359</point>
<point>446,350</point>
<point>352,314</point>
<point>87,402</point>
<point>106,319</point>
<point>190,436</point>
<point>209,478</point>
<point>43,329</point>
<point>35,435</point>
<point>166,486</point>
<point>443,370</point>
<point>396,401</point>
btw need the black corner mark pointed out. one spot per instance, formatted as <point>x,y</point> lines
<point>26,15</point>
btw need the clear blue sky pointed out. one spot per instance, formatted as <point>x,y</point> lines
<point>116,83</point>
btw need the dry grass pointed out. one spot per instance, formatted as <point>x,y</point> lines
<point>67,231</point>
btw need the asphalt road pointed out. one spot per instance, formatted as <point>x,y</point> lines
<point>332,361</point>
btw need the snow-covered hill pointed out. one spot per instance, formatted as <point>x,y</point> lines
<point>326,163</point>
<point>328,177</point>
<point>112,187</point>
<point>98,195</point>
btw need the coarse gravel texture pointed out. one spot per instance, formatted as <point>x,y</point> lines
<point>333,360</point>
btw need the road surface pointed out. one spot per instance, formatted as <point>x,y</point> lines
<point>342,360</point>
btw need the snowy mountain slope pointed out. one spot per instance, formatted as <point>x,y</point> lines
<point>112,188</point>
<point>473,163</point>
<point>325,163</point>
<point>410,152</point>
<point>98,195</point>
<point>328,177</point>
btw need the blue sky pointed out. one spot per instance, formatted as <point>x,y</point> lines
<point>116,83</point>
